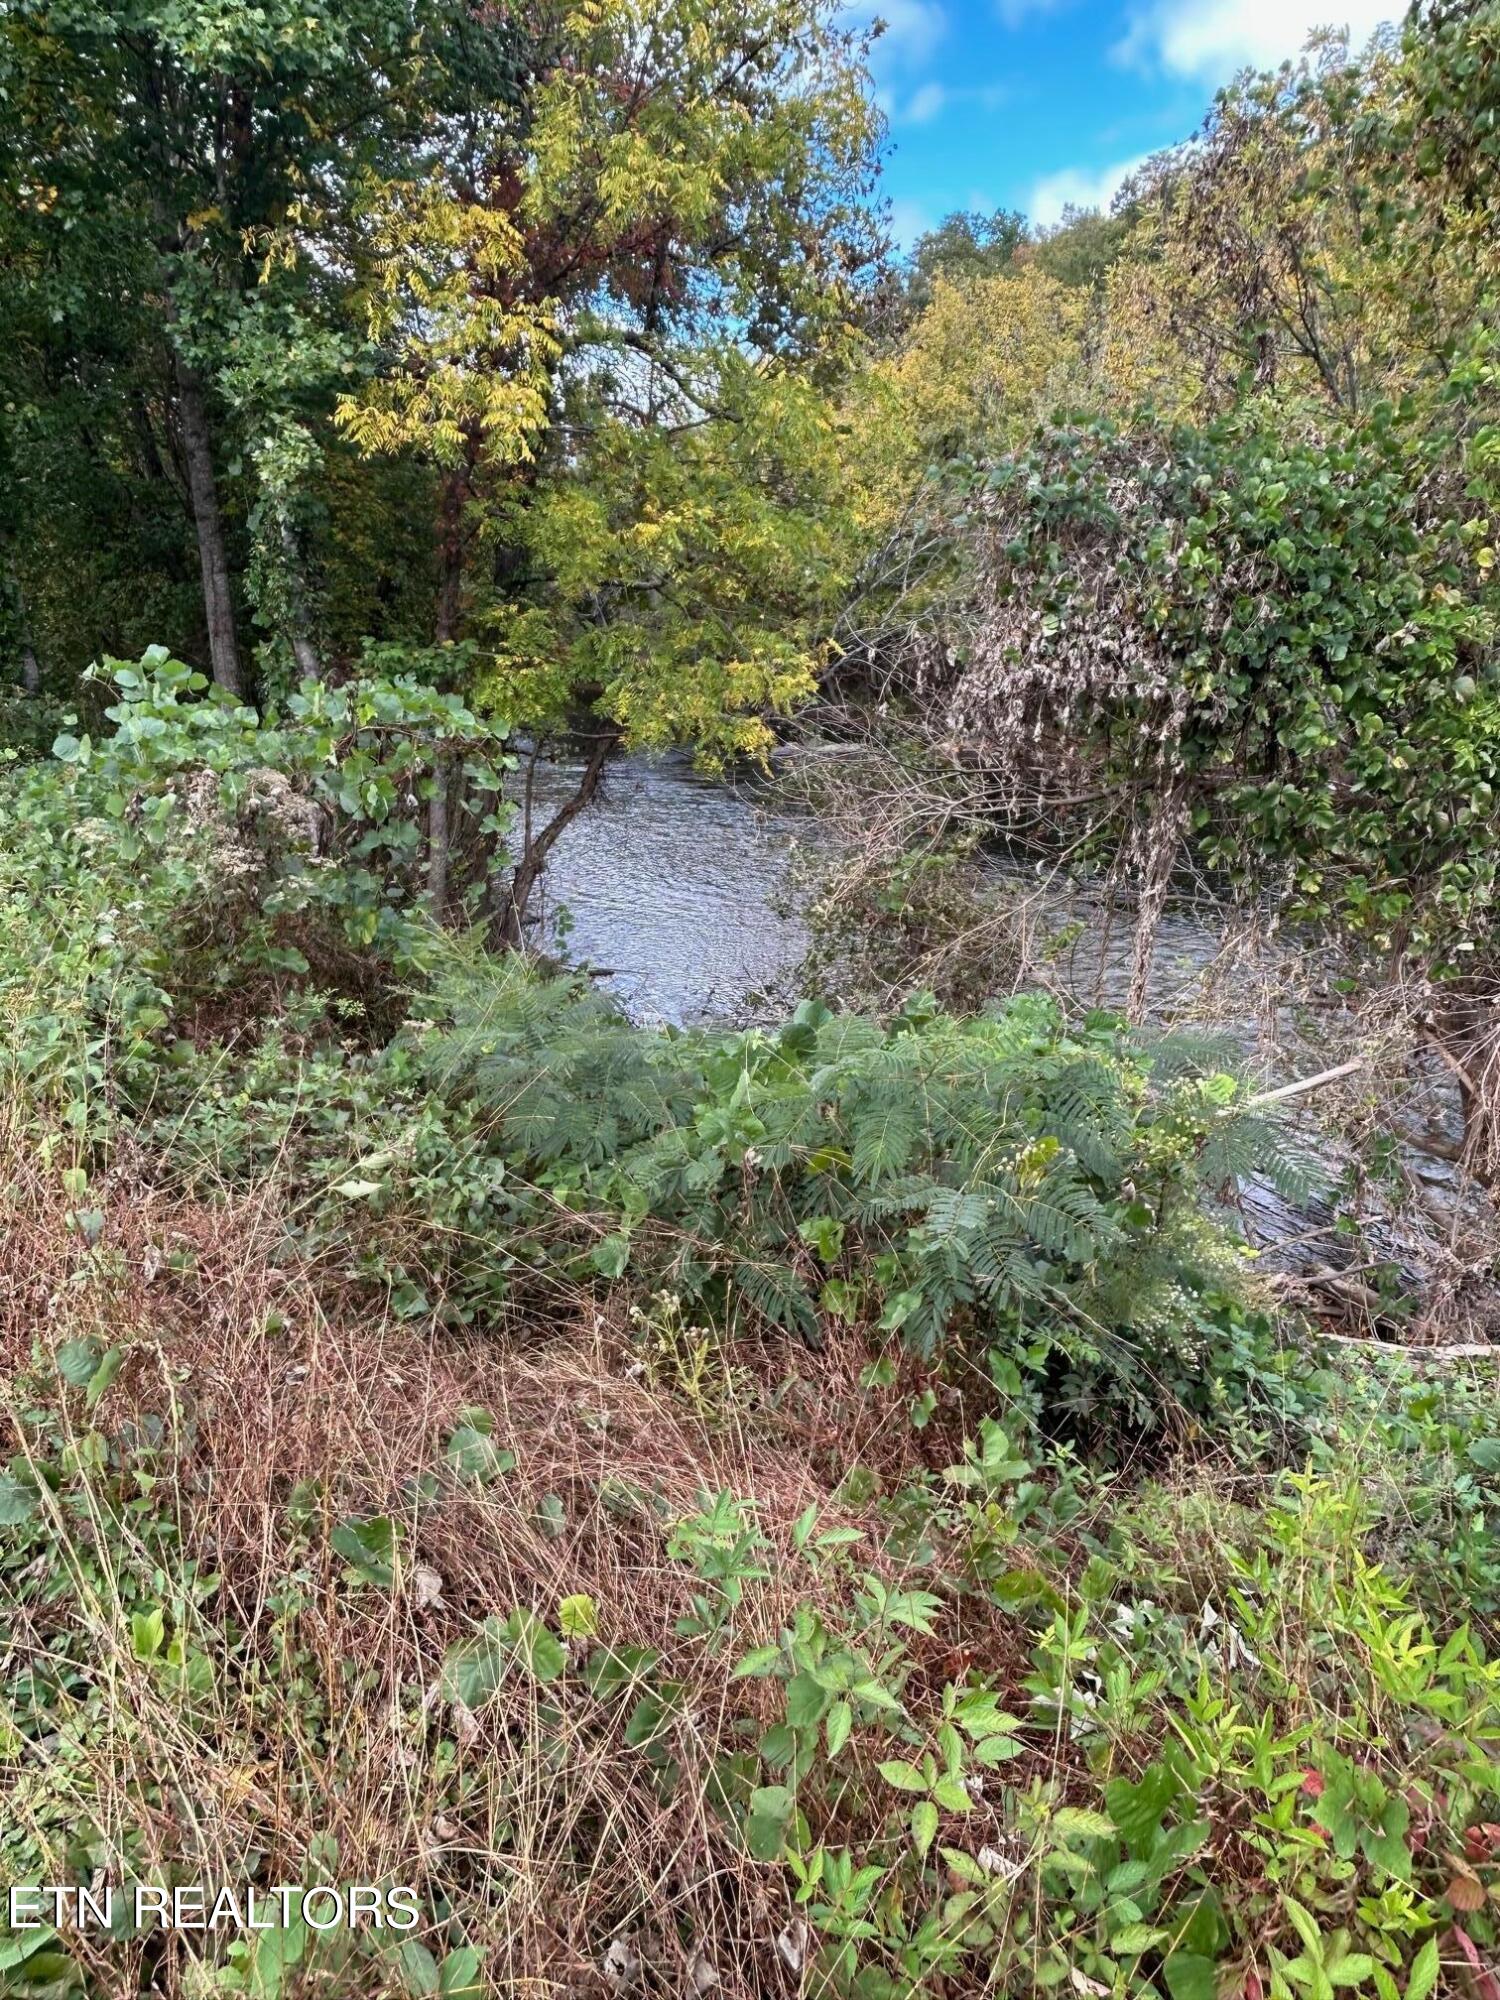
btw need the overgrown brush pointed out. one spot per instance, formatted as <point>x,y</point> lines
<point>411,1481</point>
<point>1011,1182</point>
<point>648,1692</point>
<point>1005,1182</point>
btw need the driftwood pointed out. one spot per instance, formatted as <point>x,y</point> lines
<point>1442,1350</point>
<point>1306,1083</point>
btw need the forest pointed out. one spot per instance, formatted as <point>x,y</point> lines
<point>968,1464</point>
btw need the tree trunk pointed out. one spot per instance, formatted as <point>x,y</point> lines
<point>218,600</point>
<point>31,668</point>
<point>298,622</point>
<point>451,505</point>
<point>308,664</point>
<point>511,917</point>
<point>437,841</point>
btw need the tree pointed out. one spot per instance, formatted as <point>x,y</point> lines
<point>1256,638</point>
<point>609,326</point>
<point>1082,247</point>
<point>1326,231</point>
<point>977,368</point>
<point>963,247</point>
<point>500,338</point>
<point>159,158</point>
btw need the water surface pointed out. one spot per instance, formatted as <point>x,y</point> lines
<point>673,888</point>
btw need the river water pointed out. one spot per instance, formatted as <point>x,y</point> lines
<point>672,888</point>
<point>676,892</point>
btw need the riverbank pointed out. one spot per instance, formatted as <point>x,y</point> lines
<point>650,1660</point>
<point>826,1509</point>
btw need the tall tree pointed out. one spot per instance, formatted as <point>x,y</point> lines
<point>612,322</point>
<point>193,141</point>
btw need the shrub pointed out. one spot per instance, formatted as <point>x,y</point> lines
<point>1005,1182</point>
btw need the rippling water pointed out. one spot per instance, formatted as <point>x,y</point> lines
<point>673,885</point>
<point>673,889</point>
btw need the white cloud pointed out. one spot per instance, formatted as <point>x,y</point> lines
<point>1078,187</point>
<point>909,220</point>
<point>1207,40</point>
<point>913,30</point>
<point>925,104</point>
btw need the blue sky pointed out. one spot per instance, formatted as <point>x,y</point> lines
<point>1032,103</point>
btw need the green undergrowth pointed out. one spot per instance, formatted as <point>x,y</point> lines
<point>1004,1725</point>
<point>818,1509</point>
<point>459,1136</point>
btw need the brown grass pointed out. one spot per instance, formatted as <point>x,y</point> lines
<point>548,1835</point>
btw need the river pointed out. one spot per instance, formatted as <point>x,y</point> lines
<point>674,890</point>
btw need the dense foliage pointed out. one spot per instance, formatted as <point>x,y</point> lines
<point>832,1507</point>
<point>1239,607</point>
<point>1278,627</point>
<point>1010,1183</point>
<point>1170,1786</point>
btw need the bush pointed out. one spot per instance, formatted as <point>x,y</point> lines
<point>237,905</point>
<point>1005,1182</point>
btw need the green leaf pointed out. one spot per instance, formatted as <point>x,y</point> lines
<point>276,1952</point>
<point>610,1257</point>
<point>1351,1970</point>
<point>1189,1977</point>
<point>103,1375</point>
<point>764,1838</point>
<point>78,1360</point>
<point>578,1616</point>
<point>965,1867</point>
<point>460,1976</point>
<point>473,1668</point>
<point>905,1777</point>
<point>1304,1924</point>
<point>1078,1821</point>
<point>540,1652</point>
<point>18,1502</point>
<point>899,1309</point>
<point>474,1455</point>
<point>1137,1809</point>
<point>1424,1971</point>
<point>369,1548</point>
<point>979,1714</point>
<point>417,1969</point>
<point>840,1722</point>
<point>924,1826</point>
<point>805,1702</point>
<point>760,1660</point>
<point>1134,1939</point>
<point>147,1631</point>
<point>772,1802</point>
<point>992,1750</point>
<point>824,1235</point>
<point>15,1951</point>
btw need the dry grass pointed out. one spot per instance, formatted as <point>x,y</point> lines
<point>547,1834</point>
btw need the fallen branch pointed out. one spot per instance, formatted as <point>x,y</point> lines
<point>1454,1350</point>
<point>1306,1083</point>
